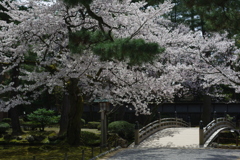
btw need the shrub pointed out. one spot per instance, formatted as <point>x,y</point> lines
<point>6,120</point>
<point>123,129</point>
<point>30,125</point>
<point>4,127</point>
<point>89,138</point>
<point>83,122</point>
<point>93,125</point>
<point>43,117</point>
<point>21,121</point>
<point>229,118</point>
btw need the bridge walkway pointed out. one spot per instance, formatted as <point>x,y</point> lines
<point>172,138</point>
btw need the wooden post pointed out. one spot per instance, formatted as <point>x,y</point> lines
<point>159,115</point>
<point>103,110</point>
<point>189,121</point>
<point>82,154</point>
<point>225,115</point>
<point>66,156</point>
<point>92,152</point>
<point>176,118</point>
<point>215,116</point>
<point>136,133</point>
<point>201,134</point>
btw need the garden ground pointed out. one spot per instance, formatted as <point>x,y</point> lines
<point>23,150</point>
<point>174,154</point>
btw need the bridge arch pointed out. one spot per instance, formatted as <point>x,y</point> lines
<point>151,128</point>
<point>209,133</point>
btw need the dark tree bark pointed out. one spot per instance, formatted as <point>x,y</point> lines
<point>1,76</point>
<point>207,109</point>
<point>154,114</point>
<point>121,113</point>
<point>64,115</point>
<point>16,129</point>
<point>75,113</point>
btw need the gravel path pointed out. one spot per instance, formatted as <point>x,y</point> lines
<point>175,154</point>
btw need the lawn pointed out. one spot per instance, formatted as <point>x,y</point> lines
<point>53,152</point>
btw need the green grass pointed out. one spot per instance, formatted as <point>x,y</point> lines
<point>96,131</point>
<point>49,131</point>
<point>47,152</point>
<point>56,130</point>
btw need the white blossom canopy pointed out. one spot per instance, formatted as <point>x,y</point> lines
<point>42,31</point>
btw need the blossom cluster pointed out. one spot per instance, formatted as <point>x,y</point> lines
<point>42,32</point>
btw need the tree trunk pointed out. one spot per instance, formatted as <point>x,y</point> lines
<point>75,113</point>
<point>16,129</point>
<point>207,109</point>
<point>202,27</point>
<point>121,113</point>
<point>64,115</point>
<point>1,76</point>
<point>154,114</point>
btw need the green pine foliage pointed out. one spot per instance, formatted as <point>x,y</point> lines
<point>43,117</point>
<point>4,16</point>
<point>76,2</point>
<point>137,51</point>
<point>4,127</point>
<point>84,39</point>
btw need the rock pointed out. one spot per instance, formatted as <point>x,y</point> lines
<point>7,137</point>
<point>53,138</point>
<point>116,140</point>
<point>39,137</point>
<point>215,145</point>
<point>122,142</point>
<point>19,138</point>
<point>30,138</point>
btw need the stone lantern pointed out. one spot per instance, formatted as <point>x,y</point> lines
<point>104,108</point>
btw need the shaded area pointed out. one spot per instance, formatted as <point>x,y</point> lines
<point>176,154</point>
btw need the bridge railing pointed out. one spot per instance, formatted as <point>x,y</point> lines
<point>213,126</point>
<point>151,128</point>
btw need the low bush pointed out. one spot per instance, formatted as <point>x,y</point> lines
<point>4,127</point>
<point>21,121</point>
<point>30,125</point>
<point>43,117</point>
<point>90,139</point>
<point>83,122</point>
<point>122,128</point>
<point>6,120</point>
<point>93,125</point>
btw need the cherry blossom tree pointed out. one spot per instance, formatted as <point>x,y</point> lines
<point>117,50</point>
